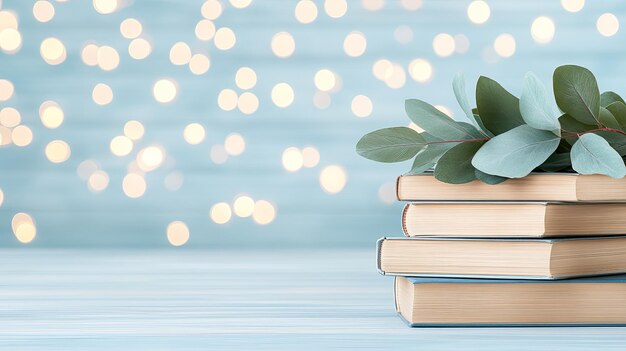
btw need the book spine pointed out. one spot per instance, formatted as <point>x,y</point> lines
<point>404,229</point>
<point>398,188</point>
<point>379,247</point>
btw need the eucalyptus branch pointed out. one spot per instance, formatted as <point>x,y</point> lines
<point>458,141</point>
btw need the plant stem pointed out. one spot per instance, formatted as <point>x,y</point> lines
<point>457,141</point>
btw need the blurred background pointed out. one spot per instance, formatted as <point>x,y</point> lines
<point>232,123</point>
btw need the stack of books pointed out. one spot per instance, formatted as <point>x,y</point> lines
<point>547,249</point>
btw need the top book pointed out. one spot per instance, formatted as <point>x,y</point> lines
<point>534,187</point>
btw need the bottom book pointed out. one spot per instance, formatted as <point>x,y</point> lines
<point>597,301</point>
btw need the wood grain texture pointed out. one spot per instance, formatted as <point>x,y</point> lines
<point>231,300</point>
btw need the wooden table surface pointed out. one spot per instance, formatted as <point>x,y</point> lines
<point>231,300</point>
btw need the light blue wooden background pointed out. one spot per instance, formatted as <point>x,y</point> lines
<point>68,214</point>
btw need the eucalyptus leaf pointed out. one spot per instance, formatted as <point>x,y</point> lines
<point>557,162</point>
<point>455,166</point>
<point>616,140</point>
<point>592,154</point>
<point>569,123</point>
<point>498,109</point>
<point>577,94</point>
<point>607,119</point>
<point>609,97</point>
<point>458,85</point>
<point>428,157</point>
<point>618,110</point>
<point>489,178</point>
<point>516,153</point>
<point>390,144</point>
<point>438,123</point>
<point>535,108</point>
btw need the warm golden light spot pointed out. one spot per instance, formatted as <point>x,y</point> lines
<point>325,80</point>
<point>282,95</point>
<point>444,109</point>
<point>10,117</point>
<point>5,136</point>
<point>443,44</point>
<point>24,228</point>
<point>245,78</point>
<point>10,40</point>
<point>22,136</point>
<point>306,11</point>
<point>139,49</point>
<point>134,185</point>
<point>354,44</point>
<point>43,11</point>
<point>211,9</point>
<point>310,157</point>
<point>98,181</point>
<point>108,58</point>
<point>421,70</point>
<point>387,193</point>
<point>283,44</point>
<point>321,100</point>
<point>105,7</point>
<point>607,24</point>
<point>240,4</point>
<point>218,154</point>
<point>131,28</point>
<point>382,68</point>
<point>461,43</point>
<point>133,167</point>
<point>121,146</point>
<point>248,103</point>
<point>199,64</point>
<point>333,179</point>
<point>403,34</point>
<point>395,77</point>
<point>411,5</point>
<point>52,51</point>
<point>573,5</point>
<point>177,233</point>
<point>133,130</point>
<point>8,19</point>
<point>504,45</point>
<point>89,54</point>
<point>205,30</point>
<point>173,181</point>
<point>220,213</point>
<point>194,133</point>
<point>542,30</point>
<point>164,90</point>
<point>6,89</point>
<point>243,206</point>
<point>150,158</point>
<point>264,212</point>
<point>102,94</point>
<point>225,38</point>
<point>478,12</point>
<point>227,99</point>
<point>292,159</point>
<point>234,144</point>
<point>362,106</point>
<point>180,54</point>
<point>373,5</point>
<point>57,151</point>
<point>335,8</point>
<point>86,168</point>
<point>51,114</point>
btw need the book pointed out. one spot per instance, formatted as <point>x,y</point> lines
<point>534,187</point>
<point>597,301</point>
<point>513,219</point>
<point>502,258</point>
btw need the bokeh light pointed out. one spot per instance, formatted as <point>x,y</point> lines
<point>51,114</point>
<point>243,206</point>
<point>227,99</point>
<point>421,70</point>
<point>180,53</point>
<point>164,90</point>
<point>10,117</point>
<point>573,5</point>
<point>325,80</point>
<point>218,154</point>
<point>248,103</point>
<point>283,44</point>
<point>245,78</point>
<point>194,133</point>
<point>362,106</point>
<point>150,158</point>
<point>22,136</point>
<point>131,28</point>
<point>98,181</point>
<point>224,38</point>
<point>6,90</point>
<point>354,44</point>
<point>306,11</point>
<point>282,95</point>
<point>43,11</point>
<point>292,159</point>
<point>543,29</point>
<point>58,151</point>
<point>105,7</point>
<point>177,233</point>
<point>335,8</point>
<point>139,49</point>
<point>234,144</point>
<point>23,227</point>
<point>264,212</point>
<point>411,5</point>
<point>607,24</point>
<point>134,130</point>
<point>205,30</point>
<point>333,179</point>
<point>444,44</point>
<point>220,213</point>
<point>387,193</point>
<point>504,45</point>
<point>211,9</point>
<point>52,51</point>
<point>478,12</point>
<point>310,157</point>
<point>102,94</point>
<point>121,145</point>
<point>134,185</point>
<point>373,5</point>
<point>10,40</point>
<point>199,64</point>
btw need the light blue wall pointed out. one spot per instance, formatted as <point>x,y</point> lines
<point>68,214</point>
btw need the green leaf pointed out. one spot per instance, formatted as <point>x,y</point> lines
<point>438,123</point>
<point>608,120</point>
<point>458,85</point>
<point>616,140</point>
<point>576,92</point>
<point>516,153</point>
<point>618,110</point>
<point>592,154</point>
<point>609,97</point>
<point>535,108</point>
<point>455,166</point>
<point>498,109</point>
<point>428,157</point>
<point>557,162</point>
<point>569,123</point>
<point>390,144</point>
<point>488,178</point>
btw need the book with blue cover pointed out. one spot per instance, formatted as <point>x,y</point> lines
<point>595,301</point>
